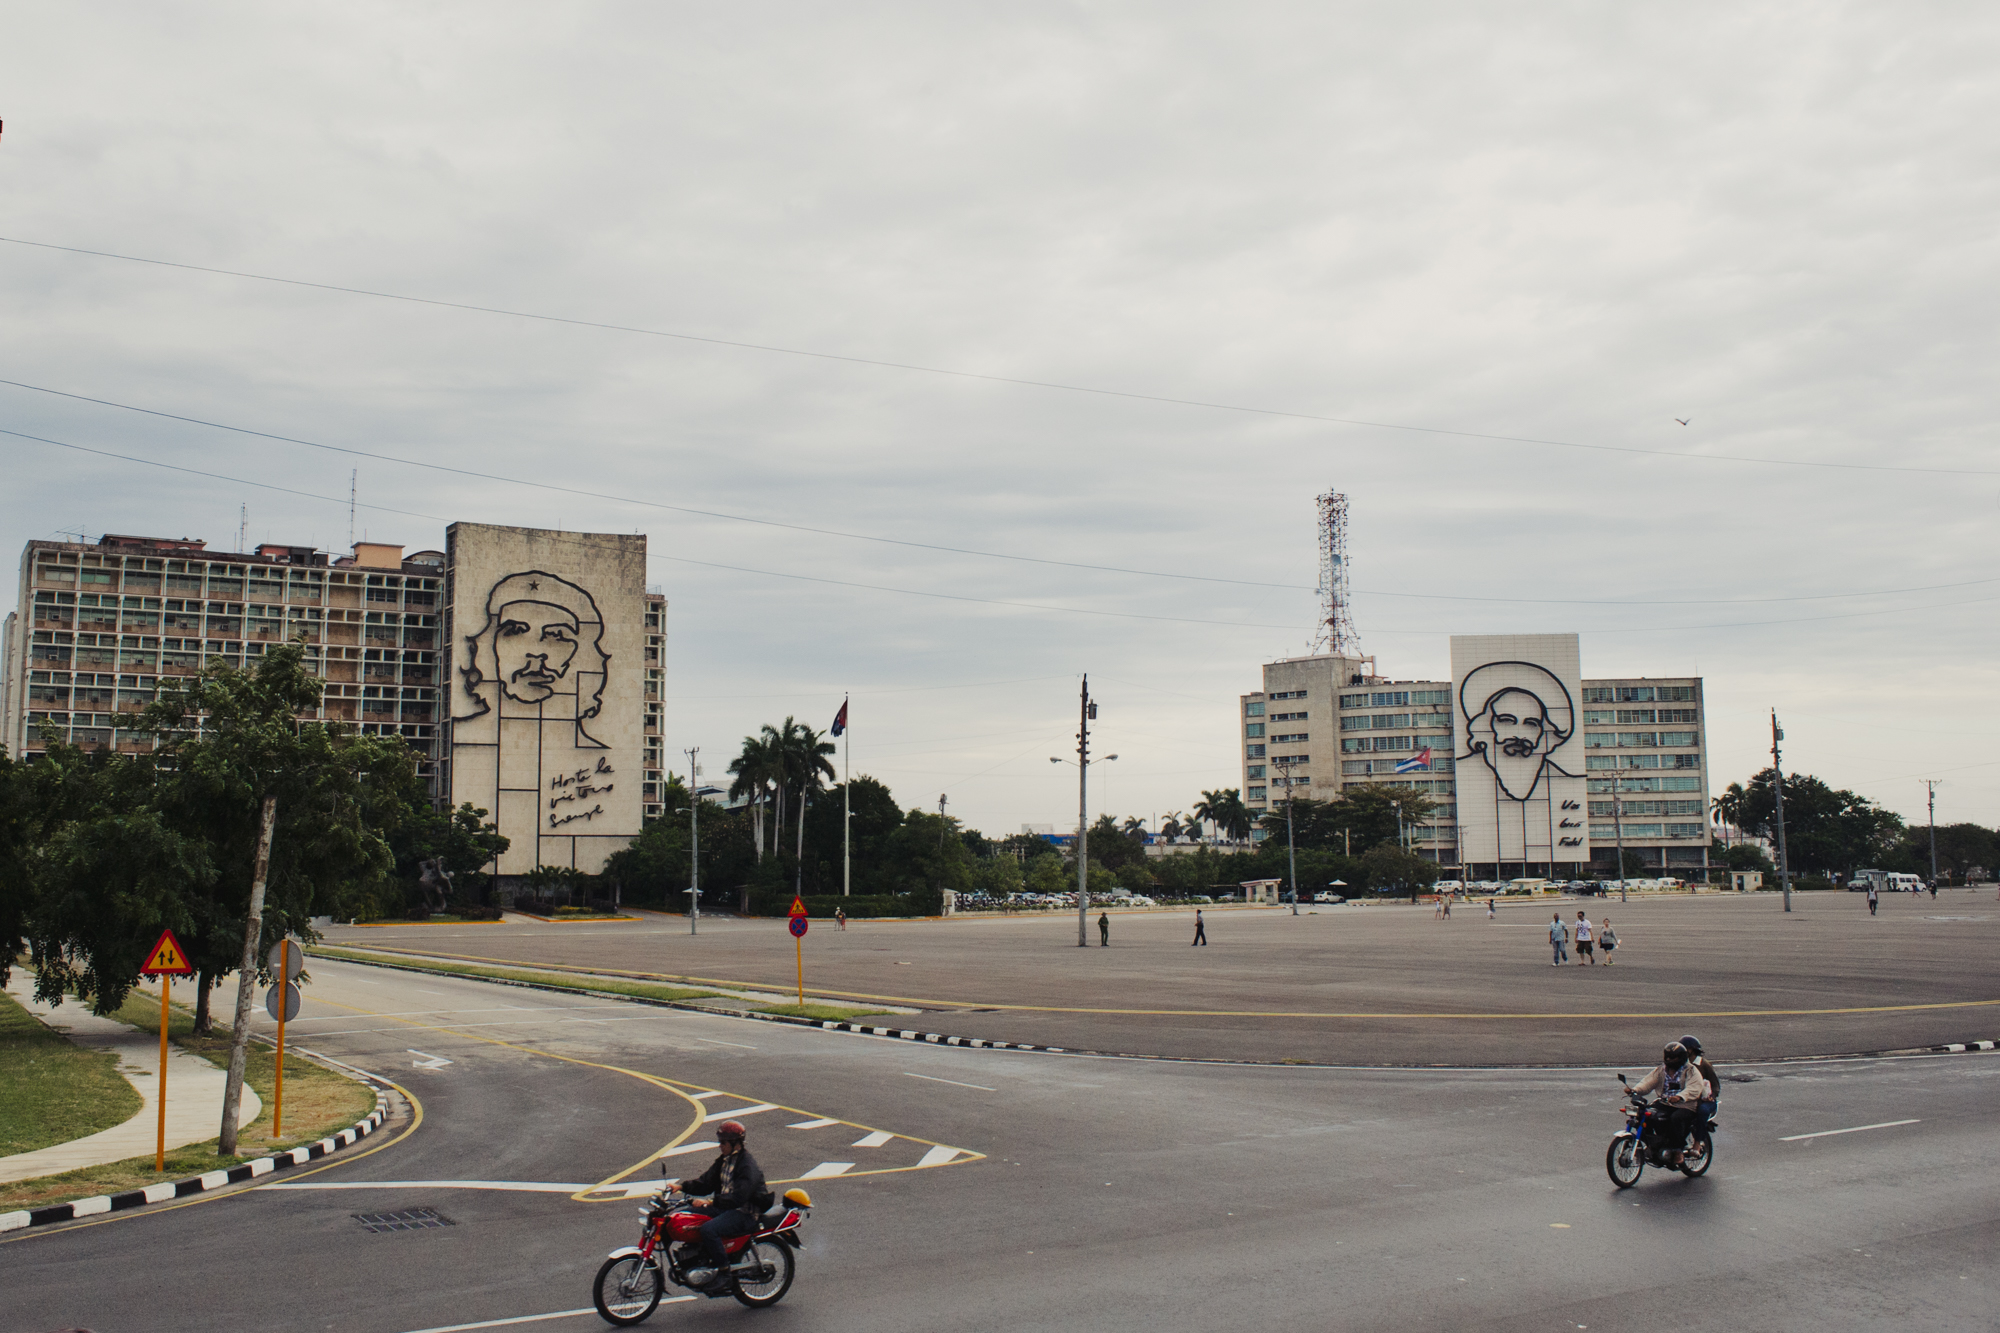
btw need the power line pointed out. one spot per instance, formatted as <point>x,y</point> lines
<point>1002,379</point>
<point>925,546</point>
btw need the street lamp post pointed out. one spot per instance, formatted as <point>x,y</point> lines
<point>1086,713</point>
<point>694,838</point>
<point>1931,785</point>
<point>1778,791</point>
<point>1618,823</point>
<point>1284,767</point>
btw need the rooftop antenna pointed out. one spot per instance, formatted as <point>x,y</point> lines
<point>352,476</point>
<point>1335,635</point>
<point>242,527</point>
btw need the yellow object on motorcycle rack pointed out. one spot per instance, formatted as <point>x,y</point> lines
<point>798,1197</point>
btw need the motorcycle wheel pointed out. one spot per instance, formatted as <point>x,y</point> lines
<point>1700,1152</point>
<point>777,1256</point>
<point>1624,1161</point>
<point>628,1289</point>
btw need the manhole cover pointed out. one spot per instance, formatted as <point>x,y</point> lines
<point>409,1219</point>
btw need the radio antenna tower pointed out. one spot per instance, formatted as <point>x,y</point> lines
<point>1336,635</point>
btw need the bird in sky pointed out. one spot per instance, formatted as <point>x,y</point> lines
<point>1682,420</point>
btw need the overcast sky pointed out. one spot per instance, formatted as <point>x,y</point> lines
<point>1551,222</point>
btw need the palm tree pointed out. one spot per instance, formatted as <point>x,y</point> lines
<point>1133,824</point>
<point>802,760</point>
<point>1224,808</point>
<point>1727,809</point>
<point>1171,827</point>
<point>755,769</point>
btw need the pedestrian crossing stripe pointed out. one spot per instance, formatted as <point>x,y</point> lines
<point>167,958</point>
<point>846,1134</point>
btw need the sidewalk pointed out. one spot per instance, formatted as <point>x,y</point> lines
<point>194,1091</point>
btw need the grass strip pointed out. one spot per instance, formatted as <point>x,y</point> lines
<point>824,1013</point>
<point>561,981</point>
<point>318,1102</point>
<point>52,1091</point>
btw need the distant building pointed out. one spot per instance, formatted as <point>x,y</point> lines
<point>100,626</point>
<point>1322,724</point>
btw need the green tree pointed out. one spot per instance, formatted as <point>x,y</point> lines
<point>1827,830</point>
<point>1224,809</point>
<point>1393,870</point>
<point>1047,874</point>
<point>1112,845</point>
<point>757,770</point>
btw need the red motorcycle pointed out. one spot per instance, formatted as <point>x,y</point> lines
<point>633,1278</point>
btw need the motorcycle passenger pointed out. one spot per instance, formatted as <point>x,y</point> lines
<point>1708,1076</point>
<point>737,1195</point>
<point>1681,1083</point>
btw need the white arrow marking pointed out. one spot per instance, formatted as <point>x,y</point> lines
<point>428,1062</point>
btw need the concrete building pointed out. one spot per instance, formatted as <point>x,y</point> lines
<point>100,626</point>
<point>1326,723</point>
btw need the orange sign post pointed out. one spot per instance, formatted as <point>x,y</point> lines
<point>798,926</point>
<point>167,961</point>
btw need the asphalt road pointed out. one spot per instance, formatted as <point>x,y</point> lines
<point>1072,1192</point>
<point>1354,985</point>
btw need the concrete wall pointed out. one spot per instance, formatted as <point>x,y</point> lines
<point>543,669</point>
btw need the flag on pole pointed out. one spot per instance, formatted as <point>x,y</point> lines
<point>1417,765</point>
<point>840,719</point>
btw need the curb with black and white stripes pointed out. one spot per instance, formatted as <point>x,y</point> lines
<point>1959,1047</point>
<point>213,1180</point>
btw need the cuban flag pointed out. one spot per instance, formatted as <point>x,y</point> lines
<point>840,722</point>
<point>1420,764</point>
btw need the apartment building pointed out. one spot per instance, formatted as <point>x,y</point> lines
<point>1325,724</point>
<point>99,627</point>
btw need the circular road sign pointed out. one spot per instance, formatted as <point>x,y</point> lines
<point>288,995</point>
<point>294,960</point>
<point>799,926</point>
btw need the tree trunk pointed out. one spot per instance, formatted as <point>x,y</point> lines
<point>204,983</point>
<point>246,984</point>
<point>757,825</point>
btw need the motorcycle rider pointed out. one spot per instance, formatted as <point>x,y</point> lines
<point>737,1195</point>
<point>1681,1083</point>
<point>1708,1075</point>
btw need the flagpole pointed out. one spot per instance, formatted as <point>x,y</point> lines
<point>846,807</point>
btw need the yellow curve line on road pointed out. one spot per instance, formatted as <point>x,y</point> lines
<point>1153,1013</point>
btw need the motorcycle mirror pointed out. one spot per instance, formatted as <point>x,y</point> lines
<point>1621,1079</point>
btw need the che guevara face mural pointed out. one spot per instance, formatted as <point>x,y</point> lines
<point>539,654</point>
<point>1524,715</point>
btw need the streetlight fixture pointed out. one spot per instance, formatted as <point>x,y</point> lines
<point>695,792</point>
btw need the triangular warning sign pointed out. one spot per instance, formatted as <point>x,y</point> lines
<point>798,907</point>
<point>167,957</point>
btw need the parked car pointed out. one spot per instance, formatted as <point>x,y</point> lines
<point>1328,898</point>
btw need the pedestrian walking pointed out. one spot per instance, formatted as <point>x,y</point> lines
<point>1104,930</point>
<point>1558,941</point>
<point>1489,909</point>
<point>1871,897</point>
<point>1583,945</point>
<point>1447,907</point>
<point>840,915</point>
<point>1606,941</point>
<point>1200,930</point>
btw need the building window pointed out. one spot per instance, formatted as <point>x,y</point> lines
<point>1677,738</point>
<point>1353,701</point>
<point>1256,794</point>
<point>1254,771</point>
<point>1679,715</point>
<point>1254,729</point>
<point>1600,717</point>
<point>1253,710</point>
<point>1641,760</point>
<point>1680,761</point>
<point>1677,694</point>
<point>1296,738</point>
<point>1635,717</point>
<point>1430,697</point>
<point>1296,760</point>
<point>1253,752</point>
<point>1684,830</point>
<point>1389,699</point>
<point>1354,766</point>
<point>1289,694</point>
<point>1599,740</point>
<point>1288,717</point>
<point>1680,784</point>
<point>1600,761</point>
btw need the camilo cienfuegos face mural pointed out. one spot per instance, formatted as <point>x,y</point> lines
<point>1519,769</point>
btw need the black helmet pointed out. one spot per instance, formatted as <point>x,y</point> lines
<point>1693,1045</point>
<point>1675,1055</point>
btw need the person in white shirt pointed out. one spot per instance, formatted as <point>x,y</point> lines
<point>1584,948</point>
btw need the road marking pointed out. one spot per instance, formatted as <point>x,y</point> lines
<point>704,1096</point>
<point>937,1157</point>
<point>954,1082</point>
<point>685,1149</point>
<point>1886,1124</point>
<point>826,1170</point>
<point>813,1124</point>
<point>875,1140</point>
<point>714,1116</point>
<point>428,1062</point>
<point>711,1041</point>
<point>521,1186</point>
<point>531,1318</point>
